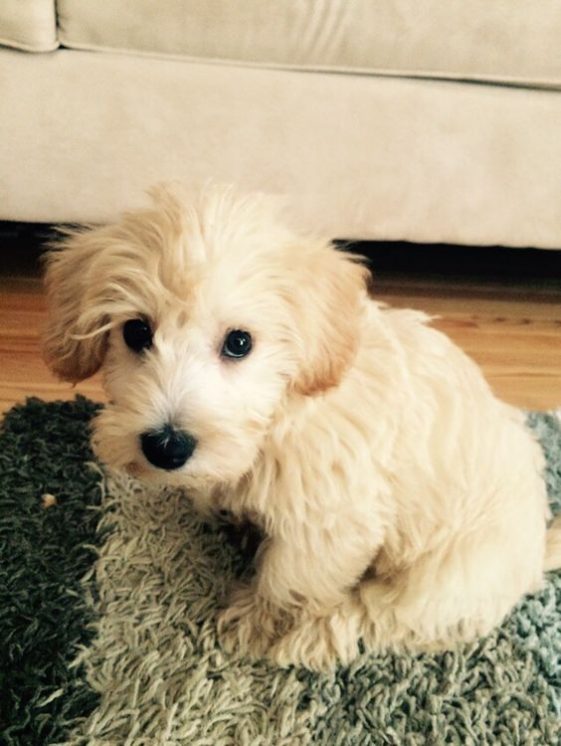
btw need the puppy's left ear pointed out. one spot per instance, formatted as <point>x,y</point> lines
<point>74,340</point>
<point>331,291</point>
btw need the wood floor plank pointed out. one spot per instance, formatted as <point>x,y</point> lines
<point>514,334</point>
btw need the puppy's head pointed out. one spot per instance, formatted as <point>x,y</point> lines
<point>206,319</point>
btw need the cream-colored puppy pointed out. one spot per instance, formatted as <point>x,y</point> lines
<point>402,502</point>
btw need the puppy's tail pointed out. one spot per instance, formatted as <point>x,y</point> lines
<point>553,546</point>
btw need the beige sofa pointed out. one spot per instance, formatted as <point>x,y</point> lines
<point>421,120</point>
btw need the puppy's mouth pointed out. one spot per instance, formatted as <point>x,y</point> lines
<point>142,470</point>
<point>145,472</point>
<point>136,469</point>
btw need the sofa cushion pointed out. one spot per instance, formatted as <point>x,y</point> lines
<point>502,41</point>
<point>356,156</point>
<point>28,25</point>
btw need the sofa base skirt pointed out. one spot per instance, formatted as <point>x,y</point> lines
<point>84,134</point>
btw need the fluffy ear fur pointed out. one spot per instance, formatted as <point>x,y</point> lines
<point>74,341</point>
<point>92,276</point>
<point>330,293</point>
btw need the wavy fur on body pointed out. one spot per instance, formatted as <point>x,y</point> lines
<point>402,503</point>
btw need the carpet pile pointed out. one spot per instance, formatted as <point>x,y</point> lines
<point>108,595</point>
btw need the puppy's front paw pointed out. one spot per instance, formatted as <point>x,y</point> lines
<point>318,642</point>
<point>248,625</point>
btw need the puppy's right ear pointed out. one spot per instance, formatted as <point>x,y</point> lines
<point>75,339</point>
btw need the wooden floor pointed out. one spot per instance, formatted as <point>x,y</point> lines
<point>514,332</point>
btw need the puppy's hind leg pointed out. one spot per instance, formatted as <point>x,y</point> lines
<point>447,597</point>
<point>553,546</point>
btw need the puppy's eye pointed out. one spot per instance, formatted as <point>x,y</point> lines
<point>236,344</point>
<point>137,335</point>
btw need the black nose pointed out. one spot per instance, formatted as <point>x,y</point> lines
<point>167,448</point>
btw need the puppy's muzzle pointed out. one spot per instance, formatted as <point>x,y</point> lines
<point>167,448</point>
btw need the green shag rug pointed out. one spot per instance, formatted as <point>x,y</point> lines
<point>107,626</point>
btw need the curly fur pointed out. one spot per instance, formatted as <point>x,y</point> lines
<point>402,503</point>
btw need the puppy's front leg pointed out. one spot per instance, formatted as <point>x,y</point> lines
<point>299,608</point>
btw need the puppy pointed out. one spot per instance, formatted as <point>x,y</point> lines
<point>401,502</point>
